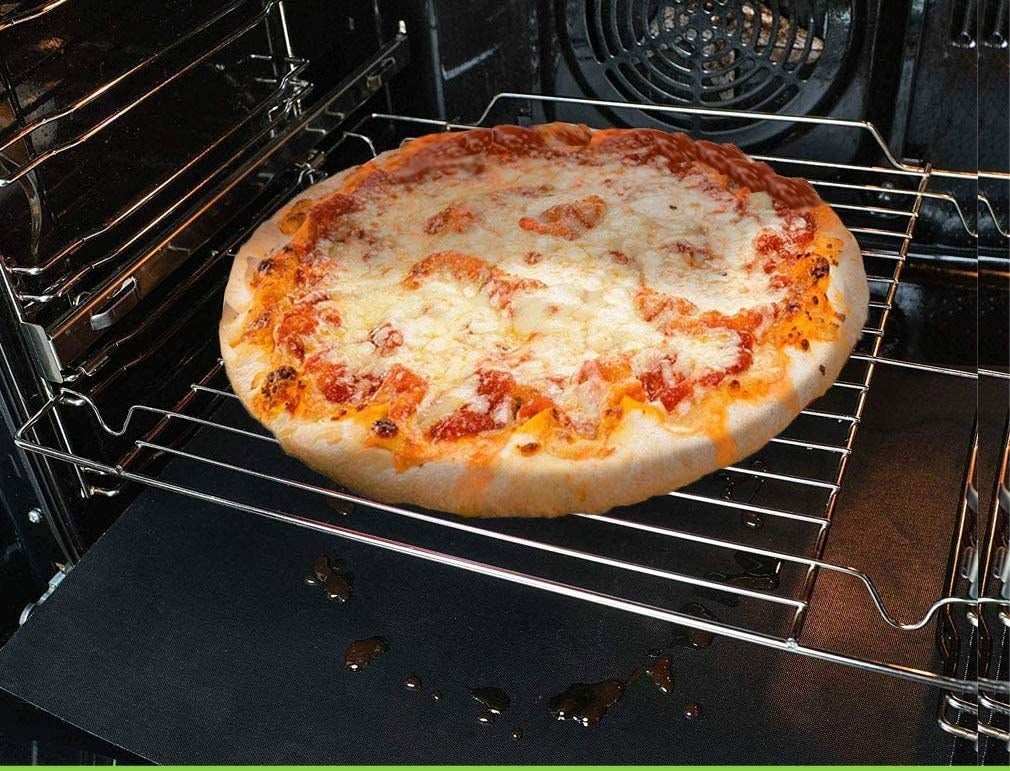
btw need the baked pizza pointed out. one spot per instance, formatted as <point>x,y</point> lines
<point>538,321</point>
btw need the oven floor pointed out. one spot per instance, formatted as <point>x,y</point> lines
<point>187,635</point>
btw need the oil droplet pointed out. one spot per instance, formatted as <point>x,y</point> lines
<point>758,572</point>
<point>752,521</point>
<point>436,695</point>
<point>338,587</point>
<point>486,717</point>
<point>517,733</point>
<point>412,683</point>
<point>321,569</point>
<point>728,484</point>
<point>361,653</point>
<point>660,674</point>
<point>586,703</point>
<point>695,638</point>
<point>495,699</point>
<point>692,712</point>
<point>311,580</point>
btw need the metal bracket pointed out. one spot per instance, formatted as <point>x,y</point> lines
<point>43,353</point>
<point>55,581</point>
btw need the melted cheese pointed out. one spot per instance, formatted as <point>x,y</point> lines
<point>672,236</point>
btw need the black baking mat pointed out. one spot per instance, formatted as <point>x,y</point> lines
<point>187,634</point>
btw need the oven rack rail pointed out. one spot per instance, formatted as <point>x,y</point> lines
<point>293,129</point>
<point>275,107</point>
<point>992,704</point>
<point>974,717</point>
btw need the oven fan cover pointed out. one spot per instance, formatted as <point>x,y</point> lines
<point>784,56</point>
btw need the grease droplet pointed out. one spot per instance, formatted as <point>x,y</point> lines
<point>586,703</point>
<point>692,712</point>
<point>752,521</point>
<point>311,580</point>
<point>486,717</point>
<point>338,588</point>
<point>759,572</point>
<point>361,653</point>
<point>436,695</point>
<point>412,683</point>
<point>495,699</point>
<point>321,569</point>
<point>517,733</point>
<point>695,638</point>
<point>660,674</point>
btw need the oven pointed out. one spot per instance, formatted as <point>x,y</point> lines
<point>840,596</point>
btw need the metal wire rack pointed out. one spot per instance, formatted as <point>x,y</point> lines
<point>55,277</point>
<point>67,299</point>
<point>802,473</point>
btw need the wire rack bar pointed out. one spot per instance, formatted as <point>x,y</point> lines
<point>861,125</point>
<point>1004,230</point>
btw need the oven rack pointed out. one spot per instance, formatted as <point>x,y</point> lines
<point>274,108</point>
<point>241,431</point>
<point>279,70</point>
<point>292,130</point>
<point>822,432</point>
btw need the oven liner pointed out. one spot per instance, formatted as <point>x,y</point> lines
<point>187,634</point>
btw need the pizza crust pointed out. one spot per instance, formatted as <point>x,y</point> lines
<point>650,457</point>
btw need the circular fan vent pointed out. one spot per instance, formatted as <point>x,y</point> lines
<point>754,55</point>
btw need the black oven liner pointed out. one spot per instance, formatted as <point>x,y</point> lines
<point>188,635</point>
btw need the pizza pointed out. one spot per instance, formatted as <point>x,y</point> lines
<point>538,321</point>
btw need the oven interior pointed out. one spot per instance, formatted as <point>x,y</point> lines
<point>132,171</point>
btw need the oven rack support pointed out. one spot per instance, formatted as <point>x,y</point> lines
<point>290,136</point>
<point>99,92</point>
<point>277,105</point>
<point>855,191</point>
<point>990,630</point>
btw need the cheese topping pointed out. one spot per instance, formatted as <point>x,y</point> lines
<point>575,279</point>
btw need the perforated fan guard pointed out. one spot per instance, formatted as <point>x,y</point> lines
<point>785,56</point>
